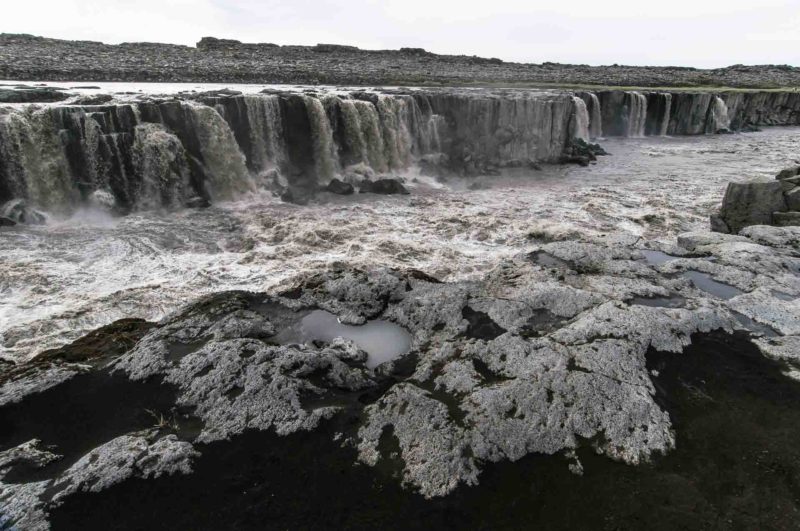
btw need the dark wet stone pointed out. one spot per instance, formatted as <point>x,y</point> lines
<point>547,260</point>
<point>198,202</point>
<point>5,222</point>
<point>384,187</point>
<point>737,420</point>
<point>33,95</point>
<point>339,187</point>
<point>106,342</point>
<point>481,326</point>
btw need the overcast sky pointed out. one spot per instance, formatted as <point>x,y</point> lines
<point>702,33</point>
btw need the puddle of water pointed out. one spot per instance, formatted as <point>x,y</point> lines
<point>657,257</point>
<point>541,323</point>
<point>673,301</point>
<point>703,281</point>
<point>548,260</point>
<point>381,340</point>
<point>755,326</point>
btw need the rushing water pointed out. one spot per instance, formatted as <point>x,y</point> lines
<point>59,280</point>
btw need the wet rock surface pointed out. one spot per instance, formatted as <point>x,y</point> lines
<point>539,372</point>
<point>760,203</point>
<point>223,60</point>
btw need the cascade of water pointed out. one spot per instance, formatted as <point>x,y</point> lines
<point>160,160</point>
<point>392,112</point>
<point>720,120</point>
<point>667,111</point>
<point>35,161</point>
<point>373,136</point>
<point>266,124</point>
<point>353,130</point>
<point>637,114</point>
<point>596,119</point>
<point>226,166</point>
<point>322,139</point>
<point>580,121</point>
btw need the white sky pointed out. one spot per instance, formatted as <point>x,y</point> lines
<point>701,33</point>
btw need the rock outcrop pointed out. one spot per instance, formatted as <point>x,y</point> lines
<point>760,203</point>
<point>229,61</point>
<point>547,354</point>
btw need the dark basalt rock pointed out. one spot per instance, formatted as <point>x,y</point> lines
<point>720,389</point>
<point>198,202</point>
<point>339,187</point>
<point>580,152</point>
<point>747,204</point>
<point>99,99</point>
<point>788,173</point>
<point>6,222</point>
<point>33,95</point>
<point>384,187</point>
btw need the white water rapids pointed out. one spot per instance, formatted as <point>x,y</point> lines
<point>60,280</point>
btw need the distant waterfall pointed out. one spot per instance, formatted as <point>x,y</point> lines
<point>667,111</point>
<point>637,114</point>
<point>580,124</point>
<point>718,119</point>
<point>596,121</point>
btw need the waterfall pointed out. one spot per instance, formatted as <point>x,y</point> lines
<point>373,137</point>
<point>667,111</point>
<point>155,154</point>
<point>227,174</point>
<point>160,161</point>
<point>580,124</point>
<point>596,121</point>
<point>719,119</point>
<point>637,114</point>
<point>268,149</point>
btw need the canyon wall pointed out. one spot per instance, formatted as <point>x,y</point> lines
<point>167,153</point>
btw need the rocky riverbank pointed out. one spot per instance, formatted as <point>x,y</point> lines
<point>25,57</point>
<point>570,351</point>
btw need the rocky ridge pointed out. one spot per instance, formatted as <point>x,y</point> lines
<point>30,58</point>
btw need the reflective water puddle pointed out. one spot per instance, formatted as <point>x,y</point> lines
<point>381,340</point>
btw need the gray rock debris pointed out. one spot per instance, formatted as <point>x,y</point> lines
<point>141,455</point>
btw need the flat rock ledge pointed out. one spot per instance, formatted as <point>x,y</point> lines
<point>547,354</point>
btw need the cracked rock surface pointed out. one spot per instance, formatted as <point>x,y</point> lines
<point>547,354</point>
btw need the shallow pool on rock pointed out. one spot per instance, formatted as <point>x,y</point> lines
<point>704,282</point>
<point>382,340</point>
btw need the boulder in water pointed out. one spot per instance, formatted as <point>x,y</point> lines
<point>339,187</point>
<point>19,212</point>
<point>5,222</point>
<point>198,202</point>
<point>747,204</point>
<point>793,199</point>
<point>788,173</point>
<point>384,187</point>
